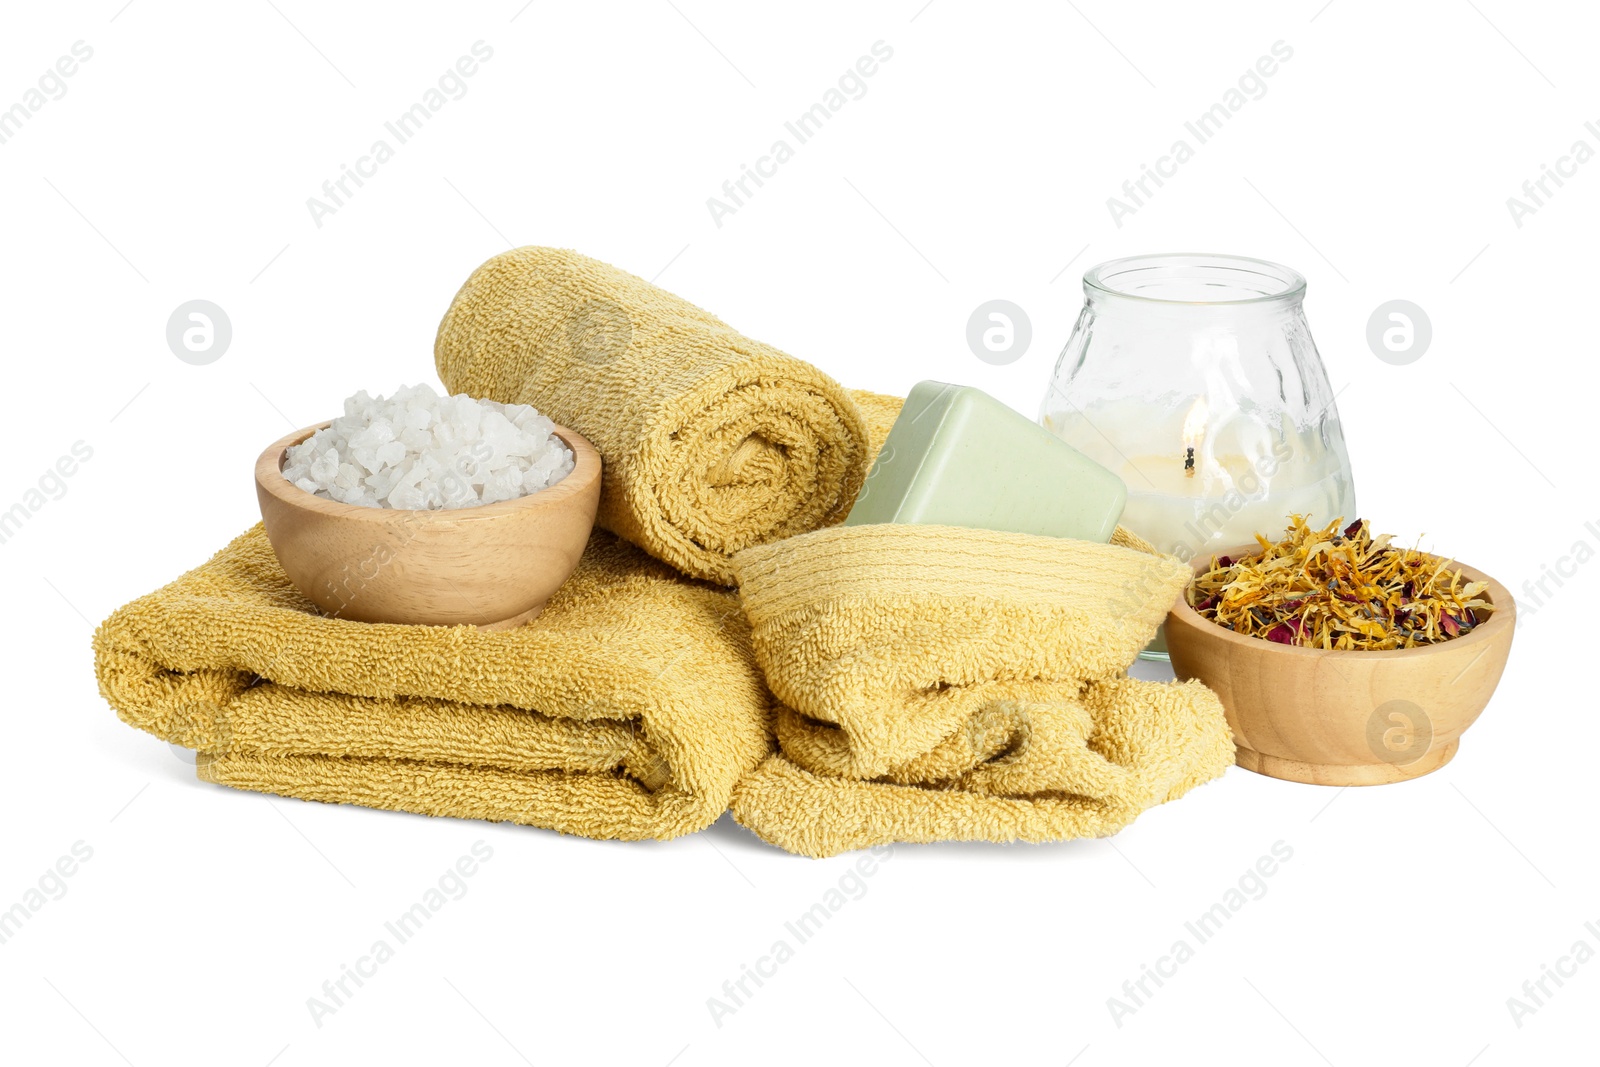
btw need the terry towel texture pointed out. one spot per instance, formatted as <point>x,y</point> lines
<point>712,442</point>
<point>628,709</point>
<point>938,683</point>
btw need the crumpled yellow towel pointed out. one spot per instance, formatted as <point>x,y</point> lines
<point>712,442</point>
<point>939,683</point>
<point>628,709</point>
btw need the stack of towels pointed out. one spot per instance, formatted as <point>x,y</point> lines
<point>723,644</point>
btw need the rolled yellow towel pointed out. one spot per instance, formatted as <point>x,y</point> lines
<point>628,709</point>
<point>942,683</point>
<point>712,442</point>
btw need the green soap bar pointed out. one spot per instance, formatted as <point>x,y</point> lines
<point>958,457</point>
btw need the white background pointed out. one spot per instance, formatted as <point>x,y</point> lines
<point>178,165</point>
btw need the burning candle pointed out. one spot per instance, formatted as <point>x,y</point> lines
<point>1237,475</point>
<point>1194,378</point>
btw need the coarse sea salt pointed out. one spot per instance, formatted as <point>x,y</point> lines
<point>417,451</point>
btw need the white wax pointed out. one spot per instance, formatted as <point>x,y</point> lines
<point>1248,477</point>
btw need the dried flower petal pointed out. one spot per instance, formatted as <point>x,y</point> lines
<point>1354,592</point>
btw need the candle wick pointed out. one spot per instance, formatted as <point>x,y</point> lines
<point>1188,463</point>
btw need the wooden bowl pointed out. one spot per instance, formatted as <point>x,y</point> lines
<point>1344,718</point>
<point>492,566</point>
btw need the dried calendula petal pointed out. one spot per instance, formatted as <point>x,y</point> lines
<point>1342,590</point>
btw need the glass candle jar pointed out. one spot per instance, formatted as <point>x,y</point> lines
<point>1194,377</point>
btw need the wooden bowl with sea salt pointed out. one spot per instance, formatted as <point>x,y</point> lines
<point>493,566</point>
<point>1331,717</point>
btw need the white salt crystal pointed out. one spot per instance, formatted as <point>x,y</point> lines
<point>419,451</point>
<point>325,466</point>
<point>503,485</point>
<point>407,498</point>
<point>391,453</point>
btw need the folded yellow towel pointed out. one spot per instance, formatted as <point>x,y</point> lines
<point>712,442</point>
<point>940,683</point>
<point>628,709</point>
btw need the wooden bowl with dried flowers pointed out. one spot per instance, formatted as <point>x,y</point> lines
<point>1339,658</point>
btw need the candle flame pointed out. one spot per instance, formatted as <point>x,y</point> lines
<point>1194,423</point>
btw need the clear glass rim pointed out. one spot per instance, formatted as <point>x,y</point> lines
<point>1288,284</point>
